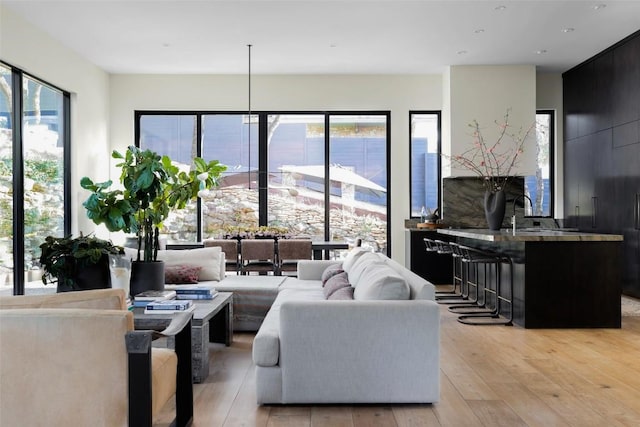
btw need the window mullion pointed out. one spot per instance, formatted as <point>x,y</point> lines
<point>327,182</point>
<point>18,185</point>
<point>263,166</point>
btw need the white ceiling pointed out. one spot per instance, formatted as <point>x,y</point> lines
<point>330,36</point>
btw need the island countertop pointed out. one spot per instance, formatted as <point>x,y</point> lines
<point>530,235</point>
<point>560,278</point>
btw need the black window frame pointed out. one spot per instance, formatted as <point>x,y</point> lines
<point>552,170</point>
<point>438,113</point>
<point>263,153</point>
<point>17,123</point>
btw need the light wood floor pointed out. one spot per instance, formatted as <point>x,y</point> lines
<point>491,376</point>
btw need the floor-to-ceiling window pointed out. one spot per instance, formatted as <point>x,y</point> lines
<point>174,135</point>
<point>358,175</point>
<point>34,183</point>
<point>231,139</point>
<point>6,177</point>
<point>424,137</point>
<point>319,175</point>
<point>296,158</point>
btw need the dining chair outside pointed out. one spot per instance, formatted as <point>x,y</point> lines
<point>258,255</point>
<point>290,251</point>
<point>230,249</point>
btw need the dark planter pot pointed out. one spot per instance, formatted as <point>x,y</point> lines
<point>94,276</point>
<point>146,276</point>
<point>494,208</point>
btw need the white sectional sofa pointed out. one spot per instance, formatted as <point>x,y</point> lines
<point>381,347</point>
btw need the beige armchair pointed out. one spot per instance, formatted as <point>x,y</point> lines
<point>74,359</point>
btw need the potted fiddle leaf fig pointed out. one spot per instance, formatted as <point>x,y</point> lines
<point>153,187</point>
<point>77,263</point>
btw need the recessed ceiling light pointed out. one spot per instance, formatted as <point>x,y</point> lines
<point>501,7</point>
<point>568,30</point>
<point>541,52</point>
<point>599,6</point>
<point>462,52</point>
<point>479,31</point>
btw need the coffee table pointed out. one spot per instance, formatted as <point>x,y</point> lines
<point>212,322</point>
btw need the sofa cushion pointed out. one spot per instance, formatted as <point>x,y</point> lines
<point>181,274</point>
<point>266,344</point>
<point>345,293</point>
<point>334,283</point>
<point>361,264</point>
<point>331,271</point>
<point>207,258</point>
<point>352,257</point>
<point>381,282</point>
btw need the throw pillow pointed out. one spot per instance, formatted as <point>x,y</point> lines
<point>181,274</point>
<point>334,283</point>
<point>380,282</point>
<point>331,271</point>
<point>206,258</point>
<point>345,293</point>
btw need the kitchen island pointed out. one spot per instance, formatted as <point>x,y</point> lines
<point>562,279</point>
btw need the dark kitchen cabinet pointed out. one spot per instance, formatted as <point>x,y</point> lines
<point>434,267</point>
<point>587,160</point>
<point>626,84</point>
<point>602,150</point>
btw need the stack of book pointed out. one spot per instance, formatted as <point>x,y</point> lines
<point>195,293</point>
<point>146,297</point>
<point>172,300</point>
<point>168,306</point>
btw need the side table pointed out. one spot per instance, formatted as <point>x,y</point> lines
<point>176,326</point>
<point>212,322</point>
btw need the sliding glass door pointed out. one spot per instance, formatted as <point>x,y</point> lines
<point>231,139</point>
<point>296,159</point>
<point>358,178</point>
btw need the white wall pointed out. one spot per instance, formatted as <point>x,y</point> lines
<point>26,47</point>
<point>394,93</point>
<point>485,93</point>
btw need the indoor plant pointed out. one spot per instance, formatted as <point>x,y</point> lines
<point>153,186</point>
<point>76,263</point>
<point>493,162</point>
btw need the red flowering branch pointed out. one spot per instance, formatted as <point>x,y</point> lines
<point>494,162</point>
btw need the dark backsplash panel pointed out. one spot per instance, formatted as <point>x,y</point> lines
<point>462,201</point>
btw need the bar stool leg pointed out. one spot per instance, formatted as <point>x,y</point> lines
<point>495,316</point>
<point>459,280</point>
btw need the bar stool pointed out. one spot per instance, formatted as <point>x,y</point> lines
<point>472,260</point>
<point>493,291</point>
<point>432,246</point>
<point>457,290</point>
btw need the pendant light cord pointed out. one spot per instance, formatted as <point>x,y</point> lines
<point>249,121</point>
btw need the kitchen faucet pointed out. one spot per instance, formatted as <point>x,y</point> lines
<point>513,217</point>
